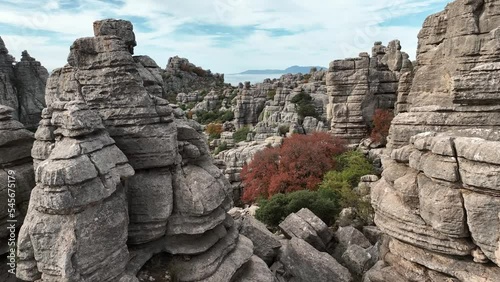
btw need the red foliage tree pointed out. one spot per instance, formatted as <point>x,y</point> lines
<point>298,164</point>
<point>259,173</point>
<point>381,123</point>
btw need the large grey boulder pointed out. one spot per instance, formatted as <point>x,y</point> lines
<point>307,226</point>
<point>303,263</point>
<point>266,244</point>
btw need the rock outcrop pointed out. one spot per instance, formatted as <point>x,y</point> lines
<point>457,60</point>
<point>359,86</point>
<point>181,76</point>
<point>76,227</point>
<point>231,162</point>
<point>109,145</point>
<point>438,198</point>
<point>16,169</point>
<point>22,86</point>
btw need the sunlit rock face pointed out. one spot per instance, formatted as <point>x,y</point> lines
<point>439,197</point>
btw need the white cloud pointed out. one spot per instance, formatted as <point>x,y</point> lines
<point>322,30</point>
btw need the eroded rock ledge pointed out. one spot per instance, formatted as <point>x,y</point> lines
<point>439,197</point>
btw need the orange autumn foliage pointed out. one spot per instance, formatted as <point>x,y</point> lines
<point>298,164</point>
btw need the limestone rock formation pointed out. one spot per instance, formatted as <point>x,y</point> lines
<point>438,198</point>
<point>109,146</point>
<point>232,161</point>
<point>15,164</point>
<point>453,85</point>
<point>22,86</point>
<point>181,76</point>
<point>358,86</point>
<point>79,205</point>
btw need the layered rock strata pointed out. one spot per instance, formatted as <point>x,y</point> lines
<point>16,169</point>
<point>457,64</point>
<point>76,227</point>
<point>181,76</point>
<point>438,198</point>
<point>22,86</point>
<point>176,201</point>
<point>358,86</point>
<point>440,194</point>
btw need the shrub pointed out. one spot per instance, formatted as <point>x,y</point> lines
<point>299,164</point>
<point>241,134</point>
<point>271,94</point>
<point>199,72</point>
<point>206,117</point>
<point>304,105</point>
<point>381,123</point>
<point>227,116</point>
<point>283,129</point>
<point>279,206</point>
<point>220,148</point>
<point>351,165</point>
<point>214,130</point>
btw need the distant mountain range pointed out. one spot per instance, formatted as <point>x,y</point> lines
<point>292,69</point>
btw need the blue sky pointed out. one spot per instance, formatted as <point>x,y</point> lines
<point>225,36</point>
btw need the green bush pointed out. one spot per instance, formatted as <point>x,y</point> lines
<point>283,129</point>
<point>323,203</point>
<point>227,116</point>
<point>350,166</point>
<point>220,148</point>
<point>304,105</point>
<point>241,134</point>
<point>271,94</point>
<point>206,117</point>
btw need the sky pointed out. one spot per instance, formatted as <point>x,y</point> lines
<point>225,36</point>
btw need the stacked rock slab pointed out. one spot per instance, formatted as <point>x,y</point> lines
<point>77,219</point>
<point>440,194</point>
<point>177,199</point>
<point>22,86</point>
<point>457,63</point>
<point>438,199</point>
<point>15,164</point>
<point>358,86</point>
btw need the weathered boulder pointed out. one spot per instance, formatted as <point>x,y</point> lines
<point>307,226</point>
<point>266,244</point>
<point>302,262</point>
